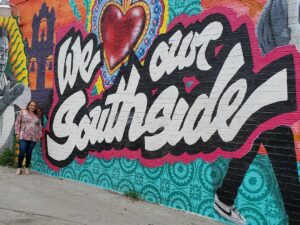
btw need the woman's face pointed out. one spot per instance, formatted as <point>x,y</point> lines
<point>32,107</point>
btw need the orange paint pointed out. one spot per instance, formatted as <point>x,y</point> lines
<point>82,10</point>
<point>49,72</point>
<point>252,8</point>
<point>64,16</point>
<point>43,30</point>
<point>296,131</point>
<point>63,13</point>
<point>262,150</point>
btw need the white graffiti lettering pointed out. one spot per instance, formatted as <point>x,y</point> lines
<point>77,61</point>
<point>193,40</point>
<point>130,115</point>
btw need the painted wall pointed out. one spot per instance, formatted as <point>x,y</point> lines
<point>14,79</point>
<point>176,100</point>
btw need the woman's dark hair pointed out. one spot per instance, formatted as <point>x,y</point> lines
<point>37,110</point>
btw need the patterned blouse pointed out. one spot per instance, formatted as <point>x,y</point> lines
<point>28,126</point>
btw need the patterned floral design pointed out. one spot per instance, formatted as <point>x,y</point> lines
<point>206,208</point>
<point>179,200</point>
<point>150,193</point>
<point>181,174</point>
<point>177,7</point>
<point>211,175</point>
<point>104,181</point>
<point>257,184</point>
<point>253,216</point>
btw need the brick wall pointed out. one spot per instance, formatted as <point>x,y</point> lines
<point>178,101</point>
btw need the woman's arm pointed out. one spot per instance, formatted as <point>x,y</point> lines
<point>18,123</point>
<point>40,129</point>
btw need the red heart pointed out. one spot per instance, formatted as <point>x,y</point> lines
<point>120,33</point>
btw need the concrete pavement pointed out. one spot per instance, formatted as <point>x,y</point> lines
<point>42,200</point>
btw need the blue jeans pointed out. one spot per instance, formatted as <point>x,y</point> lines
<point>25,149</point>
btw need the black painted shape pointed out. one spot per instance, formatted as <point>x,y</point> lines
<point>41,50</point>
<point>279,144</point>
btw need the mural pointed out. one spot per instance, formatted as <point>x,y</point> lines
<point>14,91</point>
<point>40,55</point>
<point>191,104</point>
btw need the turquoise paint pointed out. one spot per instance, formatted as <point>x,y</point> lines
<point>188,187</point>
<point>179,7</point>
<point>87,4</point>
<point>75,9</point>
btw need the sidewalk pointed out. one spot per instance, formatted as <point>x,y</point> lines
<point>41,200</point>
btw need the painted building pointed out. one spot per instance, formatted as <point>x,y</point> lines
<point>187,103</point>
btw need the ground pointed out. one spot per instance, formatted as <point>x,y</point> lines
<point>42,200</point>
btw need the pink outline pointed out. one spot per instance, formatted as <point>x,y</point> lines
<point>187,79</point>
<point>259,63</point>
<point>218,49</point>
<point>153,91</point>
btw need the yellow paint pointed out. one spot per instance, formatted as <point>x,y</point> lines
<point>99,85</point>
<point>89,17</point>
<point>163,28</point>
<point>17,56</point>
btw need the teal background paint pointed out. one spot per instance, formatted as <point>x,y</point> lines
<point>179,7</point>
<point>188,187</point>
<point>75,9</point>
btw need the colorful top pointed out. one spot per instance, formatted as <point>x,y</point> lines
<point>28,126</point>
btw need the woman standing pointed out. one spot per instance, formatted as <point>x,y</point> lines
<point>28,130</point>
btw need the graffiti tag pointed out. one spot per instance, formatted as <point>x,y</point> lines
<point>148,108</point>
